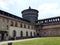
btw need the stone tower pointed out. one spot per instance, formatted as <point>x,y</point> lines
<point>30,14</point>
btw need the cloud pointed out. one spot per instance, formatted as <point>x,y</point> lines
<point>49,8</point>
<point>9,4</point>
<point>4,4</point>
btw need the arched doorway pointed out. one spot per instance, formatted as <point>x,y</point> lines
<point>2,35</point>
<point>6,36</point>
<point>31,34</point>
<point>21,33</point>
<point>14,34</point>
<point>34,33</point>
<point>38,35</point>
<point>26,33</point>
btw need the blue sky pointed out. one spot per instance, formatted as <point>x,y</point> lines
<point>46,8</point>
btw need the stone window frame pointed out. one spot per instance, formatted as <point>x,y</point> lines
<point>11,23</point>
<point>26,33</point>
<point>24,25</point>
<point>16,24</point>
<point>21,25</point>
<point>14,33</point>
<point>28,26</point>
<point>21,33</point>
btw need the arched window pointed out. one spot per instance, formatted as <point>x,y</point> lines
<point>31,34</point>
<point>34,33</point>
<point>0,36</point>
<point>14,33</point>
<point>21,33</point>
<point>6,34</point>
<point>26,33</point>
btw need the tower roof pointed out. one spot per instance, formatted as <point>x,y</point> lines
<point>30,9</point>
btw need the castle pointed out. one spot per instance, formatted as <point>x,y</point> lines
<point>14,27</point>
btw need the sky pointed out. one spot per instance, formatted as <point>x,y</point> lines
<point>46,8</point>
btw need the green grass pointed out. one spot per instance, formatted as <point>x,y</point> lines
<point>41,41</point>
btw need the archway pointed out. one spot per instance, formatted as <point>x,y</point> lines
<point>31,34</point>
<point>21,33</point>
<point>14,34</point>
<point>34,34</point>
<point>26,33</point>
<point>2,35</point>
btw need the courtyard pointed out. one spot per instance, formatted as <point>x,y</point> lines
<point>38,41</point>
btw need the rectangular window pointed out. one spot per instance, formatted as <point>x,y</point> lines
<point>7,20</point>
<point>16,24</point>
<point>7,27</point>
<point>3,20</point>
<point>21,25</point>
<point>32,27</point>
<point>28,27</point>
<point>11,23</point>
<point>24,25</point>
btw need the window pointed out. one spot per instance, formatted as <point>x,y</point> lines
<point>21,33</point>
<point>0,35</point>
<point>21,25</point>
<point>16,24</point>
<point>58,19</point>
<point>24,25</point>
<point>31,34</point>
<point>7,27</point>
<point>28,27</point>
<point>6,34</point>
<point>34,33</point>
<point>12,23</point>
<point>7,20</point>
<point>41,21</point>
<point>49,20</point>
<point>14,33</point>
<point>53,19</point>
<point>45,21</point>
<point>3,20</point>
<point>44,32</point>
<point>32,27</point>
<point>26,33</point>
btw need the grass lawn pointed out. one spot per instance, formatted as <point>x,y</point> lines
<point>41,41</point>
